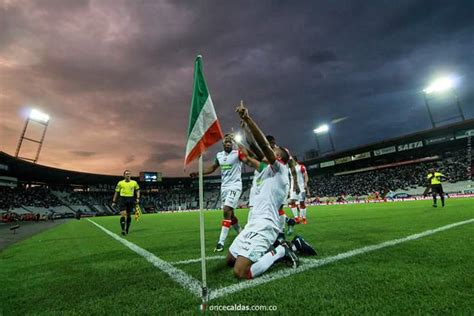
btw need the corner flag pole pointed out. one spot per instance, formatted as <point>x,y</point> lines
<point>201,230</point>
<point>204,131</point>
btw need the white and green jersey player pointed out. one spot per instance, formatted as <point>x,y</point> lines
<point>230,164</point>
<point>248,253</point>
<point>229,161</point>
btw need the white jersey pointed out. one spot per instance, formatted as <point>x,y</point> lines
<point>231,169</point>
<point>270,193</point>
<point>300,172</point>
<point>253,188</point>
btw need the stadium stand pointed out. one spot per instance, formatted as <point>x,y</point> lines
<point>396,167</point>
<point>399,178</point>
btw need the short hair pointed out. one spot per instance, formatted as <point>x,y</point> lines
<point>126,170</point>
<point>270,138</point>
<point>285,155</point>
<point>227,138</point>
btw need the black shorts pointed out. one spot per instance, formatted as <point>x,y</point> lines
<point>127,204</point>
<point>437,188</point>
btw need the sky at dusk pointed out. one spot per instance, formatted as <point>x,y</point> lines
<point>116,76</point>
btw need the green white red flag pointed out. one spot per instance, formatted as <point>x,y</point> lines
<point>204,129</point>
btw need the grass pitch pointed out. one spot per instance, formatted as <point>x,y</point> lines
<point>78,269</point>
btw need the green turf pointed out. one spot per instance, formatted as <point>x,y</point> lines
<point>77,269</point>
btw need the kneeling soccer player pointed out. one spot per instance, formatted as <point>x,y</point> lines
<point>248,253</point>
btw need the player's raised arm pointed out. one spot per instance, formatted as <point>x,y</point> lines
<point>256,133</point>
<point>258,154</point>
<point>247,157</point>
<point>210,169</point>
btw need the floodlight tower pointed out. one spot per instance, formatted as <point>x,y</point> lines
<point>324,129</point>
<point>441,85</point>
<point>36,117</point>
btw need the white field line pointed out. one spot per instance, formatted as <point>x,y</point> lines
<point>197,260</point>
<point>182,278</point>
<point>313,263</point>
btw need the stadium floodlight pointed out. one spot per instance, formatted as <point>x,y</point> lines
<point>440,85</point>
<point>321,129</point>
<point>238,138</point>
<point>38,116</point>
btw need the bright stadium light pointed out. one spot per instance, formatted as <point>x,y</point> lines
<point>440,85</point>
<point>41,118</point>
<point>238,138</point>
<point>38,116</point>
<point>321,129</point>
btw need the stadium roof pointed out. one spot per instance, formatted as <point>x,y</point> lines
<point>31,172</point>
<point>426,134</point>
<point>26,171</point>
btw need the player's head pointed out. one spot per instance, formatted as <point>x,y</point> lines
<point>432,169</point>
<point>127,174</point>
<point>271,141</point>
<point>227,142</point>
<point>282,154</point>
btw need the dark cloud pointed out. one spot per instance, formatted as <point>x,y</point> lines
<point>129,159</point>
<point>116,76</point>
<point>322,57</point>
<point>158,159</point>
<point>83,153</point>
<point>164,157</point>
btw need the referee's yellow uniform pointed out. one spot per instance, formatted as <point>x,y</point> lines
<point>127,188</point>
<point>434,179</point>
<point>127,191</point>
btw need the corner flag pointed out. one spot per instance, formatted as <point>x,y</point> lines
<point>204,129</point>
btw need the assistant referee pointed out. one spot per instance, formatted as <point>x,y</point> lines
<point>129,193</point>
<point>434,181</point>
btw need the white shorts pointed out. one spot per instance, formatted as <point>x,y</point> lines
<point>252,245</point>
<point>230,197</point>
<point>298,197</point>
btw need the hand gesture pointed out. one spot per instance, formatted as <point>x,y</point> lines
<point>242,110</point>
